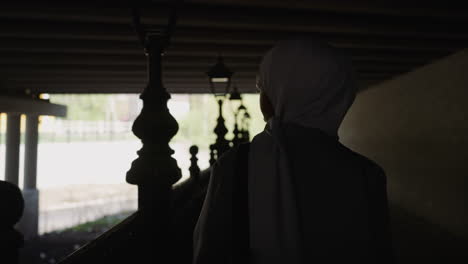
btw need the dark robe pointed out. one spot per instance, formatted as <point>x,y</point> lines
<point>341,201</point>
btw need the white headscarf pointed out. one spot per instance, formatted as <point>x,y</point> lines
<point>310,84</point>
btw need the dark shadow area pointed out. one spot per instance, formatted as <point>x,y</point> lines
<point>418,241</point>
<point>55,246</point>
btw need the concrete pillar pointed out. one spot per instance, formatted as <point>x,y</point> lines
<point>30,221</point>
<point>12,148</point>
<point>30,151</point>
<point>1,128</point>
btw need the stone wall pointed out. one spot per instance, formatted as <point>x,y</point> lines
<point>416,127</point>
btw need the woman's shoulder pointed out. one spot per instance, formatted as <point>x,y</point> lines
<point>228,157</point>
<point>370,165</point>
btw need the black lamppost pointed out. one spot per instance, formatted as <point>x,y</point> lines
<point>235,99</point>
<point>219,77</point>
<point>245,124</point>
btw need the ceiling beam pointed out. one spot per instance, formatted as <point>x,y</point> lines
<point>22,105</point>
<point>33,69</point>
<point>167,67</point>
<point>18,58</point>
<point>58,13</point>
<point>70,46</point>
<point>66,10</point>
<point>176,49</point>
<point>261,18</point>
<point>90,77</point>
<point>245,83</point>
<point>172,87</point>
<point>340,40</point>
<point>142,78</point>
<point>297,20</point>
<point>430,9</point>
<point>28,31</point>
<point>43,29</point>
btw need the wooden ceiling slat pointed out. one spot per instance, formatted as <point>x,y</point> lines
<point>139,59</point>
<point>15,28</point>
<point>191,49</point>
<point>68,11</point>
<point>26,67</point>
<point>52,31</point>
<point>70,46</point>
<point>138,88</point>
<point>85,89</point>
<point>246,82</point>
<point>269,38</point>
<point>250,18</point>
<point>84,75</point>
<point>312,21</point>
<point>57,14</point>
<point>45,77</point>
<point>404,9</point>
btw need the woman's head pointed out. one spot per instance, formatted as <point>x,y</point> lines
<point>307,82</point>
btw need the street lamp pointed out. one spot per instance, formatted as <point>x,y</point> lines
<point>219,77</point>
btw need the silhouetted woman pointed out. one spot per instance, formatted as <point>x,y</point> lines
<point>310,199</point>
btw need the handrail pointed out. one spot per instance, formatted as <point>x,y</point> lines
<point>81,253</point>
<point>109,243</point>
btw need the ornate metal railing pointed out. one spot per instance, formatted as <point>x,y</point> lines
<point>161,229</point>
<point>122,242</point>
<point>151,233</point>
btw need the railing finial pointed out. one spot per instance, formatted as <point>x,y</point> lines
<point>194,168</point>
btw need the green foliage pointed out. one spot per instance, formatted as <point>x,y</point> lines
<point>100,224</point>
<point>198,124</point>
<point>88,107</point>
<point>195,127</point>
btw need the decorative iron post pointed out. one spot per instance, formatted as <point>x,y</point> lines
<point>212,154</point>
<point>235,96</point>
<point>154,171</point>
<point>237,139</point>
<point>245,124</point>
<point>221,144</point>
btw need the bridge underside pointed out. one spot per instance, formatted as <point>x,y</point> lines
<point>72,49</point>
